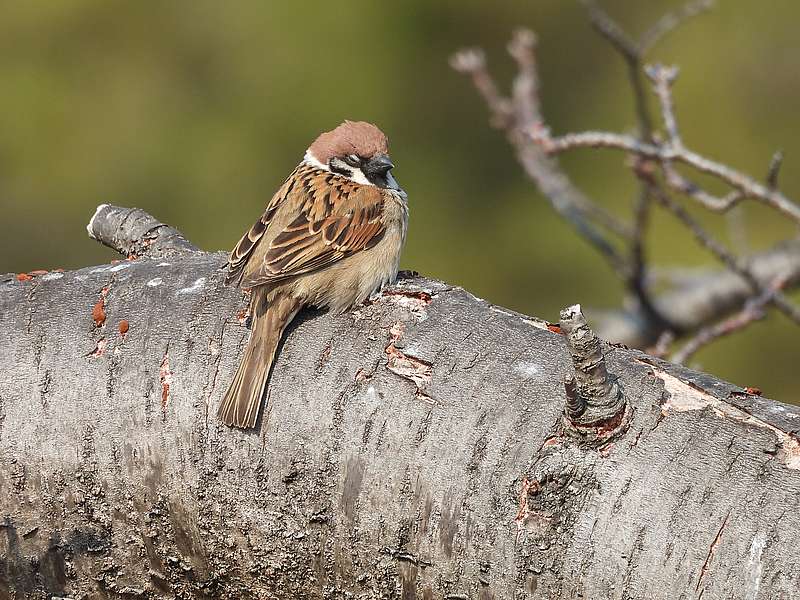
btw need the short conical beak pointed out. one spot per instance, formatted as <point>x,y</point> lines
<point>380,164</point>
<point>378,170</point>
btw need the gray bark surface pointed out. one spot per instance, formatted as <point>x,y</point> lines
<point>412,448</point>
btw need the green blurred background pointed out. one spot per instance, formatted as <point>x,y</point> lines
<point>197,110</point>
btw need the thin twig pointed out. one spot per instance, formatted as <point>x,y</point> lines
<point>520,117</point>
<point>661,347</point>
<point>636,281</point>
<point>662,78</point>
<point>733,263</point>
<point>671,21</point>
<point>519,113</point>
<point>610,29</point>
<point>472,62</point>
<point>631,53</point>
<point>525,87</point>
<point>744,184</point>
<point>754,310</point>
<point>682,185</point>
<point>774,169</point>
<point>697,297</point>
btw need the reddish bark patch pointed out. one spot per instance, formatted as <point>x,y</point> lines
<point>552,441</point>
<point>165,378</point>
<point>411,368</point>
<point>123,327</point>
<point>414,301</point>
<point>416,294</point>
<point>99,309</point>
<point>601,431</point>
<point>753,391</point>
<point>24,277</point>
<point>608,426</point>
<point>530,487</point>
<point>99,349</point>
<point>554,328</point>
<point>606,449</point>
<point>407,366</point>
<point>38,272</point>
<point>99,312</point>
<point>397,330</point>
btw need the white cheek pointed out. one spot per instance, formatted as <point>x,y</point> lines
<point>359,177</point>
<point>312,160</point>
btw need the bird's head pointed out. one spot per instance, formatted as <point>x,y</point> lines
<point>357,150</point>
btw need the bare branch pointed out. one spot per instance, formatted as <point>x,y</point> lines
<point>610,30</point>
<point>705,336</point>
<point>754,310</point>
<point>744,184</point>
<point>625,44</point>
<point>519,114</point>
<point>774,170</point>
<point>525,87</point>
<point>646,320</point>
<point>733,263</point>
<point>472,62</point>
<point>674,151</point>
<point>699,298</point>
<point>671,21</point>
<point>682,185</point>
<point>663,78</point>
<point>633,56</point>
<point>661,347</point>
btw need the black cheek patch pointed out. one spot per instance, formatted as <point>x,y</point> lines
<point>337,167</point>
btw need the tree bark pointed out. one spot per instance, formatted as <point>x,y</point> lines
<point>412,448</point>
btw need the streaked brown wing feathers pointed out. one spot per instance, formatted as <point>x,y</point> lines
<point>243,250</point>
<point>343,219</point>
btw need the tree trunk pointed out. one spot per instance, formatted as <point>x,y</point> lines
<point>412,448</point>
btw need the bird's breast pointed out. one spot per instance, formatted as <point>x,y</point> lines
<point>354,278</point>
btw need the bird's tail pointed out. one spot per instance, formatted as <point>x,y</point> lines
<point>242,401</point>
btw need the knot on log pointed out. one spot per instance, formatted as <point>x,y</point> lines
<point>134,233</point>
<point>595,405</point>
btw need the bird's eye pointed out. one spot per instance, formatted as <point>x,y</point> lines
<point>353,160</point>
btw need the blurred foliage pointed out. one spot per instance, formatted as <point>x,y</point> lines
<point>196,110</point>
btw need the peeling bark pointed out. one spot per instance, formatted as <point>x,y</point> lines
<point>411,448</point>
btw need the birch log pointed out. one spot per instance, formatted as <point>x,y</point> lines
<point>412,448</point>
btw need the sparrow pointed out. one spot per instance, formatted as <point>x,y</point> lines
<point>330,237</point>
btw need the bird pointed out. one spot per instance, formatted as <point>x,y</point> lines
<point>330,237</point>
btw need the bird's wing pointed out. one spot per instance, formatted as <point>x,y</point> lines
<point>240,255</point>
<point>335,219</point>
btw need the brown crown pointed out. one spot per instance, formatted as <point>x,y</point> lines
<point>351,137</point>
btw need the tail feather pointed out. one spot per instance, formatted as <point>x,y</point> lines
<point>242,401</point>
